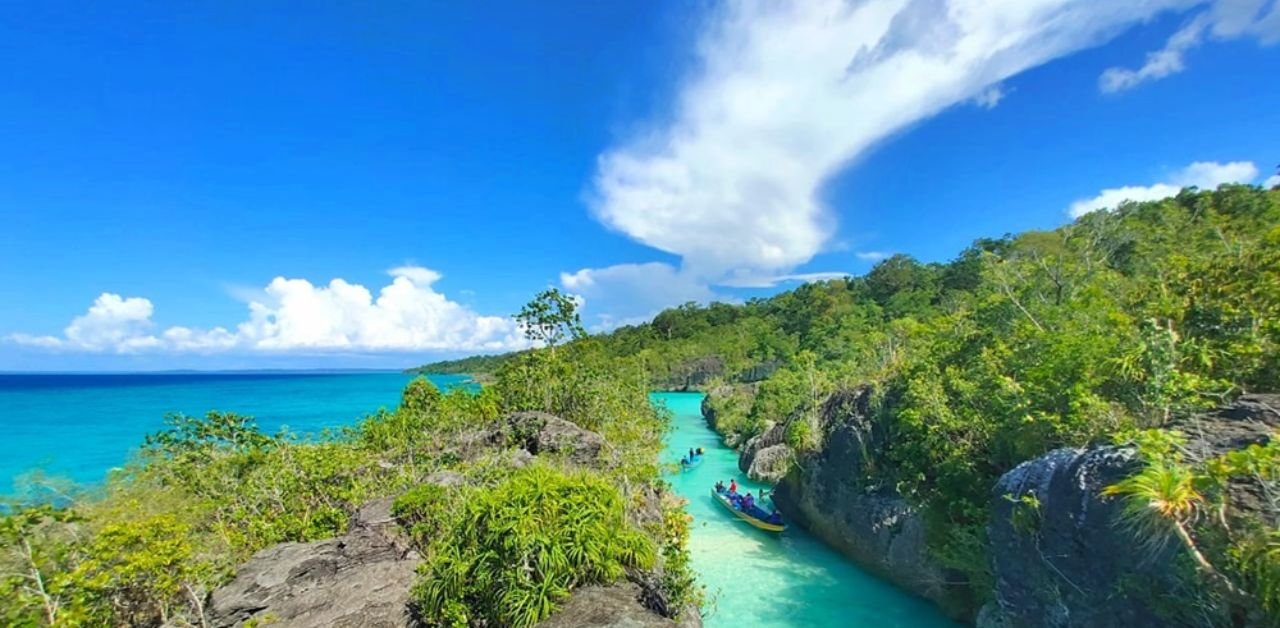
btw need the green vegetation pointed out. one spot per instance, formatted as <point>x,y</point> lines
<point>1122,320</point>
<point>1171,501</point>
<point>209,491</point>
<point>511,552</point>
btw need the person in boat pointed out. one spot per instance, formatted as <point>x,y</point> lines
<point>733,486</point>
<point>684,462</point>
<point>747,502</point>
<point>699,451</point>
<point>691,453</point>
<point>719,486</point>
<point>775,517</point>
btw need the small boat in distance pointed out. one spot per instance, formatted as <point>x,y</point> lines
<point>692,460</point>
<point>753,515</point>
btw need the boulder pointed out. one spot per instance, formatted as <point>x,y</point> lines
<point>1060,555</point>
<point>614,606</point>
<point>766,457</point>
<point>532,434</point>
<point>541,433</point>
<point>359,579</point>
<point>830,492</point>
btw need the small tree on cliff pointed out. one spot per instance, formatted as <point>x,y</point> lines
<point>551,318</point>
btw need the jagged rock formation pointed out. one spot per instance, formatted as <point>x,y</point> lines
<point>360,579</point>
<point>363,578</point>
<point>828,492</point>
<point>1067,562</point>
<point>542,433</point>
<point>766,457</point>
<point>531,434</point>
<point>616,606</point>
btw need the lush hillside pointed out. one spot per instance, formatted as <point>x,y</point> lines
<point>1121,321</point>
<point>476,364</point>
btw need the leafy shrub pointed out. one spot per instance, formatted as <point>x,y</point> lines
<point>519,548</point>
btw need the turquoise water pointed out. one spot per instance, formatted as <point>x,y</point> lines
<point>80,426</point>
<point>755,578</point>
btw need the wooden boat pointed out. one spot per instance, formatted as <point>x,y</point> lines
<point>756,518</point>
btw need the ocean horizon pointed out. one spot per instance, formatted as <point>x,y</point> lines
<point>74,427</point>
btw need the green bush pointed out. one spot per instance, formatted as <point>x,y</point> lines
<point>519,548</point>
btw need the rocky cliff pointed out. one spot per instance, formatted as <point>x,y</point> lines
<point>364,577</point>
<point>830,493</point>
<point>1060,557</point>
<point>767,457</point>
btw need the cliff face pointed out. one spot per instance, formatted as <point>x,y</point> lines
<point>1061,558</point>
<point>766,457</point>
<point>827,493</point>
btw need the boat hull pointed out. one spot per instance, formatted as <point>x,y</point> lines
<point>752,521</point>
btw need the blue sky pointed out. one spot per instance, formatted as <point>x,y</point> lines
<point>231,185</point>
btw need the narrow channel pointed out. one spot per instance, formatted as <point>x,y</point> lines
<point>755,578</point>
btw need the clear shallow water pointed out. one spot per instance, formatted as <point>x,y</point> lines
<point>755,578</point>
<point>80,426</point>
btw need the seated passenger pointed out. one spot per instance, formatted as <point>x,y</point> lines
<point>719,486</point>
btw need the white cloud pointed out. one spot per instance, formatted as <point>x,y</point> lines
<point>1205,175</point>
<point>990,97</point>
<point>872,256</point>
<point>631,293</point>
<point>1272,181</point>
<point>294,314</point>
<point>788,93</point>
<point>1222,20</point>
<point>785,95</point>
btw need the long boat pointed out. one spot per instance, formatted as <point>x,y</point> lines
<point>754,518</point>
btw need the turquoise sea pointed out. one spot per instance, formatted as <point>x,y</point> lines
<point>755,578</point>
<point>78,426</point>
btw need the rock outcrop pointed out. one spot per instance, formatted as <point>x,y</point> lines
<point>360,579</point>
<point>540,433</point>
<point>766,457</point>
<point>364,577</point>
<point>615,606</point>
<point>1059,555</point>
<point>533,433</point>
<point>828,492</point>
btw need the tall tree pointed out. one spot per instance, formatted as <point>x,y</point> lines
<point>551,318</point>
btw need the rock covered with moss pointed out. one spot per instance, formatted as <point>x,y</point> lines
<point>1062,554</point>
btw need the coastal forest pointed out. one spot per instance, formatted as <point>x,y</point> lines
<point>942,392</point>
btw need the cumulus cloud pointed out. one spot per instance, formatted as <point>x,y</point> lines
<point>784,95</point>
<point>1222,20</point>
<point>293,314</point>
<point>631,293</point>
<point>1206,175</point>
<point>1272,181</point>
